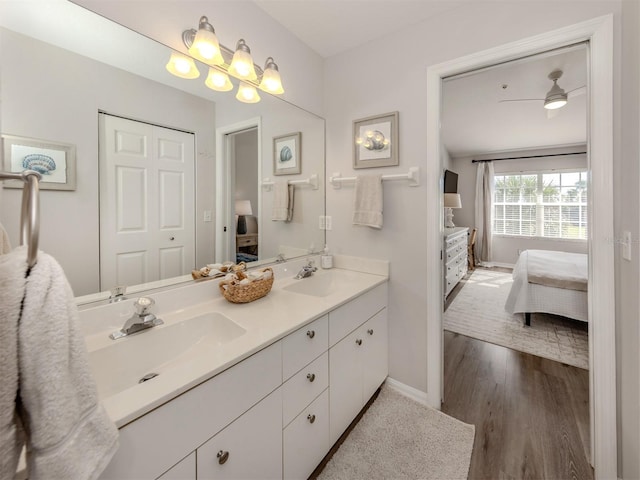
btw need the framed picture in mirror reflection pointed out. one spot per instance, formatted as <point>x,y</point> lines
<point>55,161</point>
<point>286,154</point>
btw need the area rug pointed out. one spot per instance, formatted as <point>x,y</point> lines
<point>398,438</point>
<point>478,311</point>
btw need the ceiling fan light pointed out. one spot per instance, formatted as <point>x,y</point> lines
<point>554,102</point>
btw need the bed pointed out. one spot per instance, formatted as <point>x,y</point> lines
<point>546,281</point>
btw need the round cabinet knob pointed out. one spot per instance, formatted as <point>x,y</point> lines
<point>359,341</point>
<point>370,331</point>
<point>311,377</point>
<point>222,457</point>
<point>172,238</point>
<point>311,333</point>
<point>311,418</point>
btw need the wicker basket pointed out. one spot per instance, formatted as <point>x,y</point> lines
<point>236,293</point>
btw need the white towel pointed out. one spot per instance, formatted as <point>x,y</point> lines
<point>283,195</point>
<point>367,204</point>
<point>5,245</point>
<point>69,433</point>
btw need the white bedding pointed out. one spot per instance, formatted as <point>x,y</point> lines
<point>526,297</point>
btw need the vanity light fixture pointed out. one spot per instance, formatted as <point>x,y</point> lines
<point>271,81</point>
<point>203,45</point>
<point>218,80</point>
<point>242,63</point>
<point>182,66</point>
<point>247,93</point>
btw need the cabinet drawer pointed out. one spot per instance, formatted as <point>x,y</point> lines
<point>305,442</point>
<point>302,388</point>
<point>347,318</point>
<point>183,470</point>
<point>249,448</point>
<point>247,242</point>
<point>153,443</point>
<point>304,345</point>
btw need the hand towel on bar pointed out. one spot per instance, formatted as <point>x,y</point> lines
<point>5,244</point>
<point>69,434</point>
<point>13,269</point>
<point>367,205</point>
<point>283,195</point>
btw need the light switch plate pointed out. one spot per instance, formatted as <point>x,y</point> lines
<point>327,223</point>
<point>626,245</point>
<point>207,215</point>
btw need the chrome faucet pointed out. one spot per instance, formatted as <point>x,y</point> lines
<point>280,258</point>
<point>142,319</point>
<point>117,294</point>
<point>306,271</point>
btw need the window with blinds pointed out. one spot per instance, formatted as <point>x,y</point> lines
<point>552,205</point>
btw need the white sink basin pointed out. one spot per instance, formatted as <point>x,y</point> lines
<point>122,364</point>
<point>317,285</point>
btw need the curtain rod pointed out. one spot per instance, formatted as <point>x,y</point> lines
<point>530,156</point>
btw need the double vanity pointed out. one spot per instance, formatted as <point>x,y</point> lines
<point>257,390</point>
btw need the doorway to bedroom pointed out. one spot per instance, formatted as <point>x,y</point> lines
<point>519,191</point>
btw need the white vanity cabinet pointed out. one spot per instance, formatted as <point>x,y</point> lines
<point>358,362</point>
<point>273,415</point>
<point>248,448</point>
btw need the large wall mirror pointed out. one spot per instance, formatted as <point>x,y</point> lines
<point>73,77</point>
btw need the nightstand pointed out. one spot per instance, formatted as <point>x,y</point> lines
<point>247,243</point>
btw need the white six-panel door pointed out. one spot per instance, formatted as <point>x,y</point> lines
<point>147,229</point>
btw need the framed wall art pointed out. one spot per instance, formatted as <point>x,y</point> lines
<point>375,141</point>
<point>56,162</point>
<point>286,154</point>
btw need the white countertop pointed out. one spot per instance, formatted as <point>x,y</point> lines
<point>265,320</point>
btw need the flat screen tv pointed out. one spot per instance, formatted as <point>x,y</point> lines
<point>450,182</point>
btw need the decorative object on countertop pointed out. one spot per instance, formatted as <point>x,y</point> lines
<point>375,141</point>
<point>218,270</point>
<point>326,260</point>
<point>244,287</point>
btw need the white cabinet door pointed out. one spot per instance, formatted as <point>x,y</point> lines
<point>376,357</point>
<point>345,380</point>
<point>183,470</point>
<point>306,439</point>
<point>249,448</point>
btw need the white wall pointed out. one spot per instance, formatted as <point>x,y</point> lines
<point>407,55</point>
<point>56,95</point>
<point>505,248</point>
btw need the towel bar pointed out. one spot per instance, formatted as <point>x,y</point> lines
<point>413,176</point>
<point>30,214</point>
<point>267,183</point>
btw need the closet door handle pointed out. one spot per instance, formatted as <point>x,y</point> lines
<point>311,418</point>
<point>222,457</point>
<point>359,341</point>
<point>311,377</point>
<point>311,333</point>
<point>370,331</point>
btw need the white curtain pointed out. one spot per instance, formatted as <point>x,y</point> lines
<point>484,211</point>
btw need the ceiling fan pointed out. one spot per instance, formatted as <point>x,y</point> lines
<point>556,97</point>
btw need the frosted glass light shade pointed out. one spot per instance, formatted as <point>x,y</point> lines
<point>247,93</point>
<point>271,81</point>
<point>217,80</point>
<point>182,66</point>
<point>205,47</point>
<point>242,63</point>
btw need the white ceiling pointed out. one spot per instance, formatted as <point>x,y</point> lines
<point>331,27</point>
<point>474,121</point>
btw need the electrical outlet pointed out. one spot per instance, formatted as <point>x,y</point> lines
<point>322,222</point>
<point>327,223</point>
<point>207,215</point>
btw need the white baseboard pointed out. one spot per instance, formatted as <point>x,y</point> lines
<point>413,393</point>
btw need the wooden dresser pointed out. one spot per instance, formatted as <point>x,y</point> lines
<point>454,256</point>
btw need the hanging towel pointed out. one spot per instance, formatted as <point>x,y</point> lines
<point>367,205</point>
<point>5,245</point>
<point>283,195</point>
<point>13,269</point>
<point>69,434</point>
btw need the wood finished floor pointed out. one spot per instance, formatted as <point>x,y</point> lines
<point>531,414</point>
